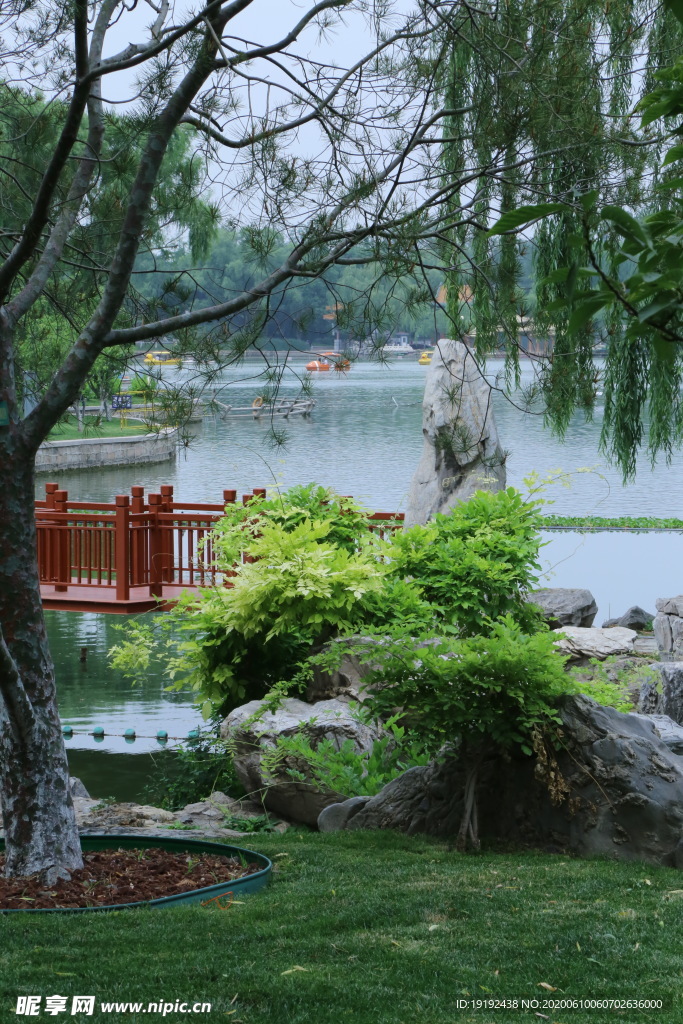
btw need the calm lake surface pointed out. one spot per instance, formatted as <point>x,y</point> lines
<point>364,438</point>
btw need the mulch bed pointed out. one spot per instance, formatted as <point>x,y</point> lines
<point>122,876</point>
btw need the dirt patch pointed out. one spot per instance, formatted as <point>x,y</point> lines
<point>111,877</point>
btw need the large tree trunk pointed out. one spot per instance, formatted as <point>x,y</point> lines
<point>37,809</point>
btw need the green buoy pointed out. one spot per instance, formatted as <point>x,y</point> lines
<point>67,730</point>
<point>98,732</point>
<point>162,736</point>
<point>129,735</point>
<point>193,734</point>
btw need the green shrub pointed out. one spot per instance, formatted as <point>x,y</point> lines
<point>481,694</point>
<point>328,768</point>
<point>493,689</point>
<point>477,563</point>
<point>315,568</point>
<point>301,590</point>
<point>347,522</point>
<point>315,571</point>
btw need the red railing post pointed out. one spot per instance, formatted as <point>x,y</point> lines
<point>229,497</point>
<point>137,503</point>
<point>62,547</point>
<point>50,494</point>
<point>137,538</point>
<point>168,534</point>
<point>155,546</point>
<point>122,547</point>
<point>259,492</point>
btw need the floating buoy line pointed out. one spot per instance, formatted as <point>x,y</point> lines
<point>130,735</point>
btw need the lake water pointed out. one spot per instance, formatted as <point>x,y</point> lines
<point>363,438</point>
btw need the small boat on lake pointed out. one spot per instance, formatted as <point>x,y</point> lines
<point>317,364</point>
<point>426,357</point>
<point>339,362</point>
<point>162,358</point>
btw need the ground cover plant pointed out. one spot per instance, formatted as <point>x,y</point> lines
<point>188,774</point>
<point>378,928</point>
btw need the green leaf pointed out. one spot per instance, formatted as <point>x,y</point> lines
<point>625,223</point>
<point>664,302</point>
<point>524,215</point>
<point>674,183</point>
<point>585,310</point>
<point>676,8</point>
<point>589,200</point>
<point>675,153</point>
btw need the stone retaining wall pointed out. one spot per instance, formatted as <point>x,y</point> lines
<point>94,452</point>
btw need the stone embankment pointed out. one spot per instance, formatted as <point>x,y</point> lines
<point>97,452</point>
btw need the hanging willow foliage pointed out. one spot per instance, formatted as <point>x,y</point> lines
<point>552,85</point>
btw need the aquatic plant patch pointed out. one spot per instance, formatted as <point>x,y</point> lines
<point>114,877</point>
<point>550,522</point>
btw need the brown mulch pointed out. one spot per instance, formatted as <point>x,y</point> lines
<point>122,876</point>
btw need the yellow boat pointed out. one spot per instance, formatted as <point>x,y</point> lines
<point>162,359</point>
<point>425,359</point>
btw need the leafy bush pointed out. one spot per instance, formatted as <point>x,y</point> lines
<point>343,769</point>
<point>495,688</point>
<point>311,572</point>
<point>612,682</point>
<point>300,591</point>
<point>483,694</point>
<point>477,563</point>
<point>315,571</point>
<point>347,522</point>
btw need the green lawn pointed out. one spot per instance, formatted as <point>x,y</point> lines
<point>376,928</point>
<point>94,427</point>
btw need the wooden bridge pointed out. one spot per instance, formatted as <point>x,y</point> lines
<point>136,554</point>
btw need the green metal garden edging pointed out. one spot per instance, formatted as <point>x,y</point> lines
<point>238,886</point>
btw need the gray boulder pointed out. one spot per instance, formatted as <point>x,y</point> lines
<point>461,453</point>
<point>668,626</point>
<point>634,618</point>
<point>665,695</point>
<point>617,791</point>
<point>337,816</point>
<point>253,734</point>
<point>581,644</point>
<point>345,682</point>
<point>565,606</point>
<point>669,732</point>
<point>77,789</point>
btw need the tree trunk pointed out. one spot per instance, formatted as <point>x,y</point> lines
<point>38,814</point>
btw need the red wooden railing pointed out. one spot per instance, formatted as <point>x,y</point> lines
<point>135,550</point>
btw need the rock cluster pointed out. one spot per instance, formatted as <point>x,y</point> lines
<point>206,819</point>
<point>254,731</point>
<point>623,793</point>
<point>565,606</point>
<point>634,617</point>
<point>582,643</point>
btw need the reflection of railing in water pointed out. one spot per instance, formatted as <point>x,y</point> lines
<point>131,554</point>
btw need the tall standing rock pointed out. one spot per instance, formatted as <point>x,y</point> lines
<point>461,452</point>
